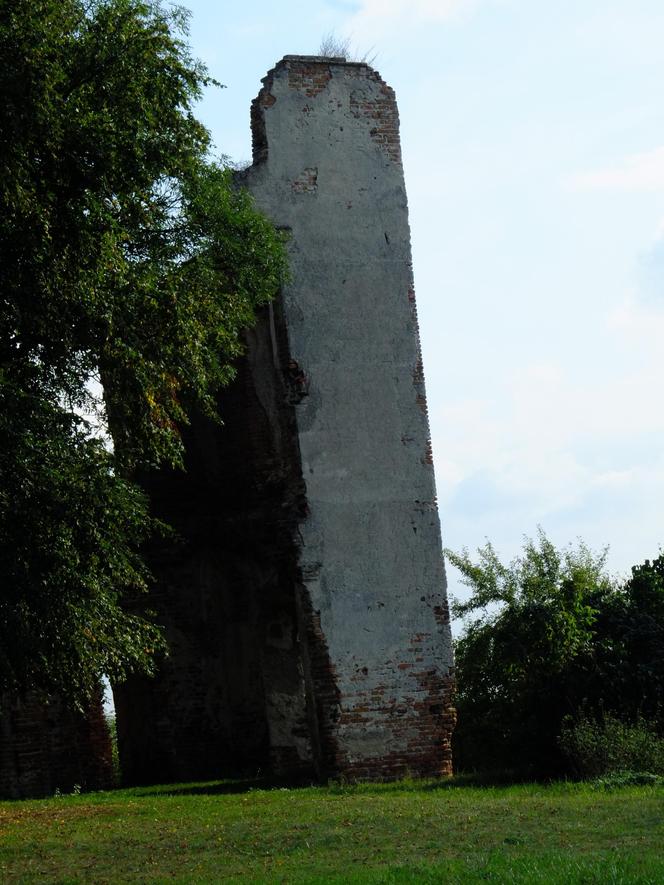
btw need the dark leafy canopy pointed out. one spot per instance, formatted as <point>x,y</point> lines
<point>630,642</point>
<point>553,636</point>
<point>126,257</point>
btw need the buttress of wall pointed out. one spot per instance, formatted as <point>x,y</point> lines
<point>327,167</point>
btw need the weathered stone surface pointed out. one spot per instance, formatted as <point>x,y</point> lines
<point>327,166</point>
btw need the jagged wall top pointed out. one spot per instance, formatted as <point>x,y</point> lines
<point>310,75</point>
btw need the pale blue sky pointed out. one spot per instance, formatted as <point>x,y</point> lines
<point>533,138</point>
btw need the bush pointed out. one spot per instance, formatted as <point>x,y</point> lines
<point>551,636</point>
<point>522,659</point>
<point>611,747</point>
<point>628,779</point>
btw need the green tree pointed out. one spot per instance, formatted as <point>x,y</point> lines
<point>527,658</point>
<point>629,641</point>
<point>128,257</point>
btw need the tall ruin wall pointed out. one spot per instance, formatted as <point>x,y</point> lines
<point>327,167</point>
<point>305,601</point>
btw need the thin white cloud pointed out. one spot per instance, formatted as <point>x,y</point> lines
<point>637,172</point>
<point>376,17</point>
<point>428,10</point>
<point>640,326</point>
<point>561,443</point>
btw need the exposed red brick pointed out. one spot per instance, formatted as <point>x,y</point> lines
<point>306,182</point>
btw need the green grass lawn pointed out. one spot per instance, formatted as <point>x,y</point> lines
<point>407,832</point>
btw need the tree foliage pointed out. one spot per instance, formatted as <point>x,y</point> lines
<point>548,637</point>
<point>127,257</point>
<point>630,647</point>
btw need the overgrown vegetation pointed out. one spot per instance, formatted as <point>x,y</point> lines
<point>446,831</point>
<point>128,258</point>
<point>111,724</point>
<point>552,639</point>
<point>333,46</point>
<point>596,747</point>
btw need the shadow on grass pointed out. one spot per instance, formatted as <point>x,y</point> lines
<point>233,786</point>
<point>486,779</point>
<point>224,787</point>
<point>457,782</point>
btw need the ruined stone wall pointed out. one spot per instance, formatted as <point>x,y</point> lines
<point>304,598</point>
<point>327,166</point>
<point>46,747</point>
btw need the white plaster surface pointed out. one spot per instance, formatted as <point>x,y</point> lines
<point>372,539</point>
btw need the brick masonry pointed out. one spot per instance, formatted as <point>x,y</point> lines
<point>305,598</point>
<point>231,698</point>
<point>44,747</point>
<point>327,166</point>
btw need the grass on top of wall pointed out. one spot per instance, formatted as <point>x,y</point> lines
<point>446,831</point>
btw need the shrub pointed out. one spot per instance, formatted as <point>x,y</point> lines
<point>628,779</point>
<point>550,636</point>
<point>523,657</point>
<point>610,747</point>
